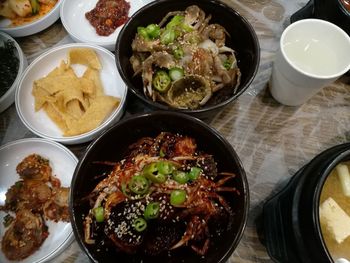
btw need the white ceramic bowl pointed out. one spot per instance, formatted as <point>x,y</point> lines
<point>39,122</point>
<point>32,27</point>
<point>63,163</point>
<point>9,97</point>
<point>80,29</point>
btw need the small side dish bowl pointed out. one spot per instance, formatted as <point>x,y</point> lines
<point>32,27</point>
<point>79,28</point>
<point>112,146</point>
<point>39,122</point>
<point>241,37</point>
<point>9,96</point>
<point>63,163</point>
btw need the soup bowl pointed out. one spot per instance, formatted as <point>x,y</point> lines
<point>241,37</point>
<point>292,227</point>
<point>112,146</point>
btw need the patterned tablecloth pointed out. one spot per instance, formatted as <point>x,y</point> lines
<point>272,140</point>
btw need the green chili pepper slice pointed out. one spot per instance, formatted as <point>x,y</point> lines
<point>139,224</point>
<point>177,197</point>
<point>152,211</point>
<point>165,167</point>
<point>161,81</point>
<point>178,53</point>
<point>150,171</point>
<point>175,21</point>
<point>176,73</point>
<point>143,32</point>
<point>139,184</point>
<point>194,173</point>
<point>35,6</point>
<point>153,31</point>
<point>227,64</point>
<point>180,177</point>
<point>99,214</point>
<point>168,36</point>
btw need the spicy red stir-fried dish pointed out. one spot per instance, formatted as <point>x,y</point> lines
<point>36,197</point>
<point>163,195</point>
<point>108,15</point>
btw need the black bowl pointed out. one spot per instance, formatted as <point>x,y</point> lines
<point>242,39</point>
<point>112,145</point>
<point>291,217</point>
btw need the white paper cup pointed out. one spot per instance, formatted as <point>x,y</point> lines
<point>313,53</point>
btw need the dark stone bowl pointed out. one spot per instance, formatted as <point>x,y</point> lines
<point>242,39</point>
<point>112,145</point>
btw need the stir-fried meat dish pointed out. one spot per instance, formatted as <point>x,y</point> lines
<point>24,236</point>
<point>183,60</point>
<point>108,15</point>
<point>163,195</point>
<point>37,196</point>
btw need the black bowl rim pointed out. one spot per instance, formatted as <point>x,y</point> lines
<point>215,133</point>
<point>160,106</point>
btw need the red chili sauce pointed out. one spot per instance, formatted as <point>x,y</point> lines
<point>108,15</point>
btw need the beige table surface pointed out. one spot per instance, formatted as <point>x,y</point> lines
<point>273,141</point>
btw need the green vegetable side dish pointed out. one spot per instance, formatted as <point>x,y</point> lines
<point>9,65</point>
<point>184,47</point>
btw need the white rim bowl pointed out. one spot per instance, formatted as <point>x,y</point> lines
<point>39,122</point>
<point>79,28</point>
<point>63,163</point>
<point>32,27</point>
<point>9,97</point>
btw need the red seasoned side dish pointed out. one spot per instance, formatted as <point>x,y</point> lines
<point>36,197</point>
<point>108,15</point>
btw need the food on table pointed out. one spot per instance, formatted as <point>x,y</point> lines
<point>108,15</point>
<point>25,11</point>
<point>36,197</point>
<point>346,4</point>
<point>75,104</point>
<point>24,236</point>
<point>183,60</point>
<point>335,212</point>
<point>9,65</point>
<point>163,195</point>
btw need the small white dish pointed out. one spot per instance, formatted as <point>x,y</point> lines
<point>80,29</point>
<point>39,122</point>
<point>9,97</point>
<point>32,27</point>
<point>63,163</point>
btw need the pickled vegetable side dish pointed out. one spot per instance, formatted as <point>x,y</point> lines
<point>184,59</point>
<point>165,194</point>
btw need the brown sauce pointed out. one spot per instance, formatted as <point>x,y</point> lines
<point>108,15</point>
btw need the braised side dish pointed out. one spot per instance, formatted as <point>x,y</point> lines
<point>183,60</point>
<point>9,65</point>
<point>335,212</point>
<point>36,197</point>
<point>163,195</point>
<point>108,15</point>
<point>25,11</point>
